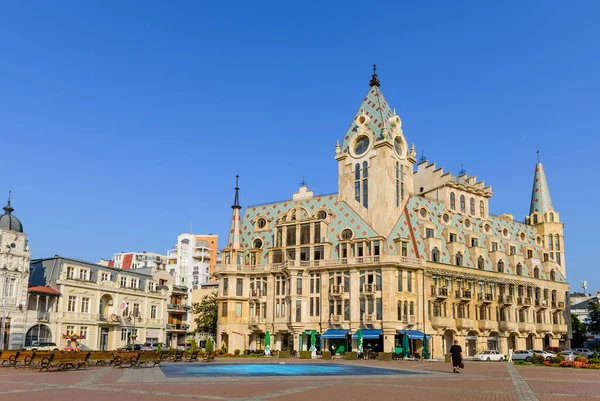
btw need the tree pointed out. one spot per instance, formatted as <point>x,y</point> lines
<point>207,310</point>
<point>577,325</point>
<point>593,320</point>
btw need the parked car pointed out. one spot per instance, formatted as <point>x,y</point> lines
<point>547,355</point>
<point>584,351</point>
<point>152,346</point>
<point>523,355</point>
<point>489,355</point>
<point>131,347</point>
<point>556,350</point>
<point>46,346</point>
<point>570,355</point>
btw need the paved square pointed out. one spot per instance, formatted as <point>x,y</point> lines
<point>368,380</point>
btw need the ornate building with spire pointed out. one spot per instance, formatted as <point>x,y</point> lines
<point>14,276</point>
<point>402,249</point>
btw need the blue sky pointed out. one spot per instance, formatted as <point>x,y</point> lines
<point>123,122</point>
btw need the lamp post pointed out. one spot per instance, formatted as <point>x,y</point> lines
<point>135,315</point>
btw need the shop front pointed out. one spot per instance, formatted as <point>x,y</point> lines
<point>336,339</point>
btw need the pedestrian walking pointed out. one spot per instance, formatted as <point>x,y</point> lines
<point>332,350</point>
<point>510,353</point>
<point>456,353</point>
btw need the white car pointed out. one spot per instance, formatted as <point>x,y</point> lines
<point>547,355</point>
<point>571,355</point>
<point>489,355</point>
<point>523,355</point>
<point>44,346</point>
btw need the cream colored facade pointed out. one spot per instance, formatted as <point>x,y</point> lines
<point>105,304</point>
<point>396,249</point>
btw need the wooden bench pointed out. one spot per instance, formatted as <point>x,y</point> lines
<point>65,360</point>
<point>209,357</point>
<point>9,358</point>
<point>177,356</point>
<point>38,357</point>
<point>164,355</point>
<point>147,357</point>
<point>191,356</point>
<point>124,358</point>
<point>101,357</point>
<point>23,358</point>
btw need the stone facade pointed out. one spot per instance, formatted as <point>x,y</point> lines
<point>400,247</point>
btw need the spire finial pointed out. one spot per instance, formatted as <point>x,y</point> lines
<point>303,182</point>
<point>538,155</point>
<point>374,79</point>
<point>236,199</point>
<point>462,171</point>
<point>8,208</point>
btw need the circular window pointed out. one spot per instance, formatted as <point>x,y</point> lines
<point>258,243</point>
<point>505,232</point>
<point>322,215</point>
<point>467,223</point>
<point>346,234</point>
<point>446,218</point>
<point>361,145</point>
<point>423,212</point>
<point>398,145</point>
<point>261,223</point>
<point>522,236</point>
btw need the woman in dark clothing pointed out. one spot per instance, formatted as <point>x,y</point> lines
<point>456,352</point>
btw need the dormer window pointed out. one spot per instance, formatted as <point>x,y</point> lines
<point>459,259</point>
<point>494,246</point>
<point>500,266</point>
<point>123,282</point>
<point>480,263</point>
<point>429,233</point>
<point>322,215</point>
<point>529,254</point>
<point>512,250</point>
<point>435,255</point>
<point>474,242</point>
<point>261,223</point>
<point>453,237</point>
<point>346,235</point>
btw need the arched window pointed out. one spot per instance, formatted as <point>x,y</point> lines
<point>346,234</point>
<point>552,275</point>
<point>480,263</point>
<point>535,219</point>
<point>435,255</point>
<point>501,266</point>
<point>556,242</point>
<point>357,182</point>
<point>536,272</point>
<point>472,206</point>
<point>397,184</point>
<point>459,259</point>
<point>365,184</point>
<point>452,201</point>
<point>481,209</point>
<point>412,308</point>
<point>399,310</point>
<point>405,308</point>
<point>40,333</point>
<point>550,243</point>
<point>462,204</point>
<point>551,215</point>
<point>519,270</point>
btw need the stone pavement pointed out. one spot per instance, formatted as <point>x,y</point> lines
<point>479,381</point>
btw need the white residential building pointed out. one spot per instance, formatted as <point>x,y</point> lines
<point>138,260</point>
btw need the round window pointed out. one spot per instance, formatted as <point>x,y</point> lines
<point>522,236</point>
<point>487,228</point>
<point>258,243</point>
<point>398,146</point>
<point>261,223</point>
<point>361,145</point>
<point>347,234</point>
<point>505,232</point>
<point>423,212</point>
<point>322,215</point>
<point>446,218</point>
<point>467,223</point>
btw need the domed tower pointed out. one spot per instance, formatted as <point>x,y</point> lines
<point>14,277</point>
<point>375,163</point>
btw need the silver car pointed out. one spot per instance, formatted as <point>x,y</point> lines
<point>523,355</point>
<point>547,355</point>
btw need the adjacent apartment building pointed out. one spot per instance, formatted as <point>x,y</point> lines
<point>193,259</point>
<point>402,249</point>
<point>138,260</point>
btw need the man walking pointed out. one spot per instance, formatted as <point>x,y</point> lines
<point>456,353</point>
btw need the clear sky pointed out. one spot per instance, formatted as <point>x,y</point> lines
<point>122,123</point>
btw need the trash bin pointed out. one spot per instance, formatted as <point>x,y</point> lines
<point>447,358</point>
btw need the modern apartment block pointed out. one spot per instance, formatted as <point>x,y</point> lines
<point>402,249</point>
<point>138,260</point>
<point>193,259</point>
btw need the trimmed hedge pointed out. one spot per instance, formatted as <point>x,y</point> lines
<point>326,354</point>
<point>284,354</point>
<point>305,355</point>
<point>385,356</point>
<point>351,356</point>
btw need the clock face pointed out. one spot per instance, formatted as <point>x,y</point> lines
<point>398,146</point>
<point>361,145</point>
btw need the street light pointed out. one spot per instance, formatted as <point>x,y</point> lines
<point>135,315</point>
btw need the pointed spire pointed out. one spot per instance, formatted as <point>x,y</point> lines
<point>374,78</point>
<point>236,199</point>
<point>540,194</point>
<point>8,209</point>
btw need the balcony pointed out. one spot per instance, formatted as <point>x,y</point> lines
<point>254,320</point>
<point>487,325</point>
<point>336,319</point>
<point>178,308</point>
<point>369,290</point>
<point>255,294</point>
<point>43,316</point>
<point>439,322</point>
<point>524,301</point>
<point>559,328</point>
<point>201,255</point>
<point>336,291</point>
<point>180,289</point>
<point>543,327</point>
<point>369,317</point>
<point>439,292</point>
<point>464,324</point>
<point>463,295</point>
<point>506,299</point>
<point>558,305</point>
<point>508,326</point>
<point>177,327</point>
<point>108,319</point>
<point>526,327</point>
<point>409,319</point>
<point>486,298</point>
<point>541,303</point>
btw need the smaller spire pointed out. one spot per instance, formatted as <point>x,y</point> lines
<point>374,79</point>
<point>236,199</point>
<point>303,182</point>
<point>538,155</point>
<point>8,208</point>
<point>462,171</point>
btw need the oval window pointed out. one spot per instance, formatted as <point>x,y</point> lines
<point>258,243</point>
<point>322,215</point>
<point>398,146</point>
<point>361,145</point>
<point>346,234</point>
<point>261,223</point>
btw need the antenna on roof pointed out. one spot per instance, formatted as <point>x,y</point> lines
<point>462,171</point>
<point>538,155</point>
<point>422,159</point>
<point>303,182</point>
<point>584,286</point>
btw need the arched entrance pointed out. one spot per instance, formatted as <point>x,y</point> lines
<point>40,333</point>
<point>471,343</point>
<point>448,340</point>
<point>547,341</point>
<point>512,341</point>
<point>105,307</point>
<point>530,342</point>
<point>493,341</point>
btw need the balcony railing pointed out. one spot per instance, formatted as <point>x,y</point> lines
<point>439,292</point>
<point>558,305</point>
<point>485,297</point>
<point>43,316</point>
<point>256,319</point>
<point>541,303</point>
<point>369,289</point>
<point>505,299</point>
<point>369,317</point>
<point>409,319</point>
<point>336,318</point>
<point>108,318</point>
<point>336,290</point>
<point>439,322</point>
<point>463,295</point>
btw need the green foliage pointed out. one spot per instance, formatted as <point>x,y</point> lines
<point>223,349</point>
<point>577,325</point>
<point>521,363</point>
<point>193,346</point>
<point>594,361</point>
<point>595,354</point>
<point>208,313</point>
<point>593,321</point>
<point>209,345</point>
<point>558,359</point>
<point>236,352</point>
<point>538,359</point>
